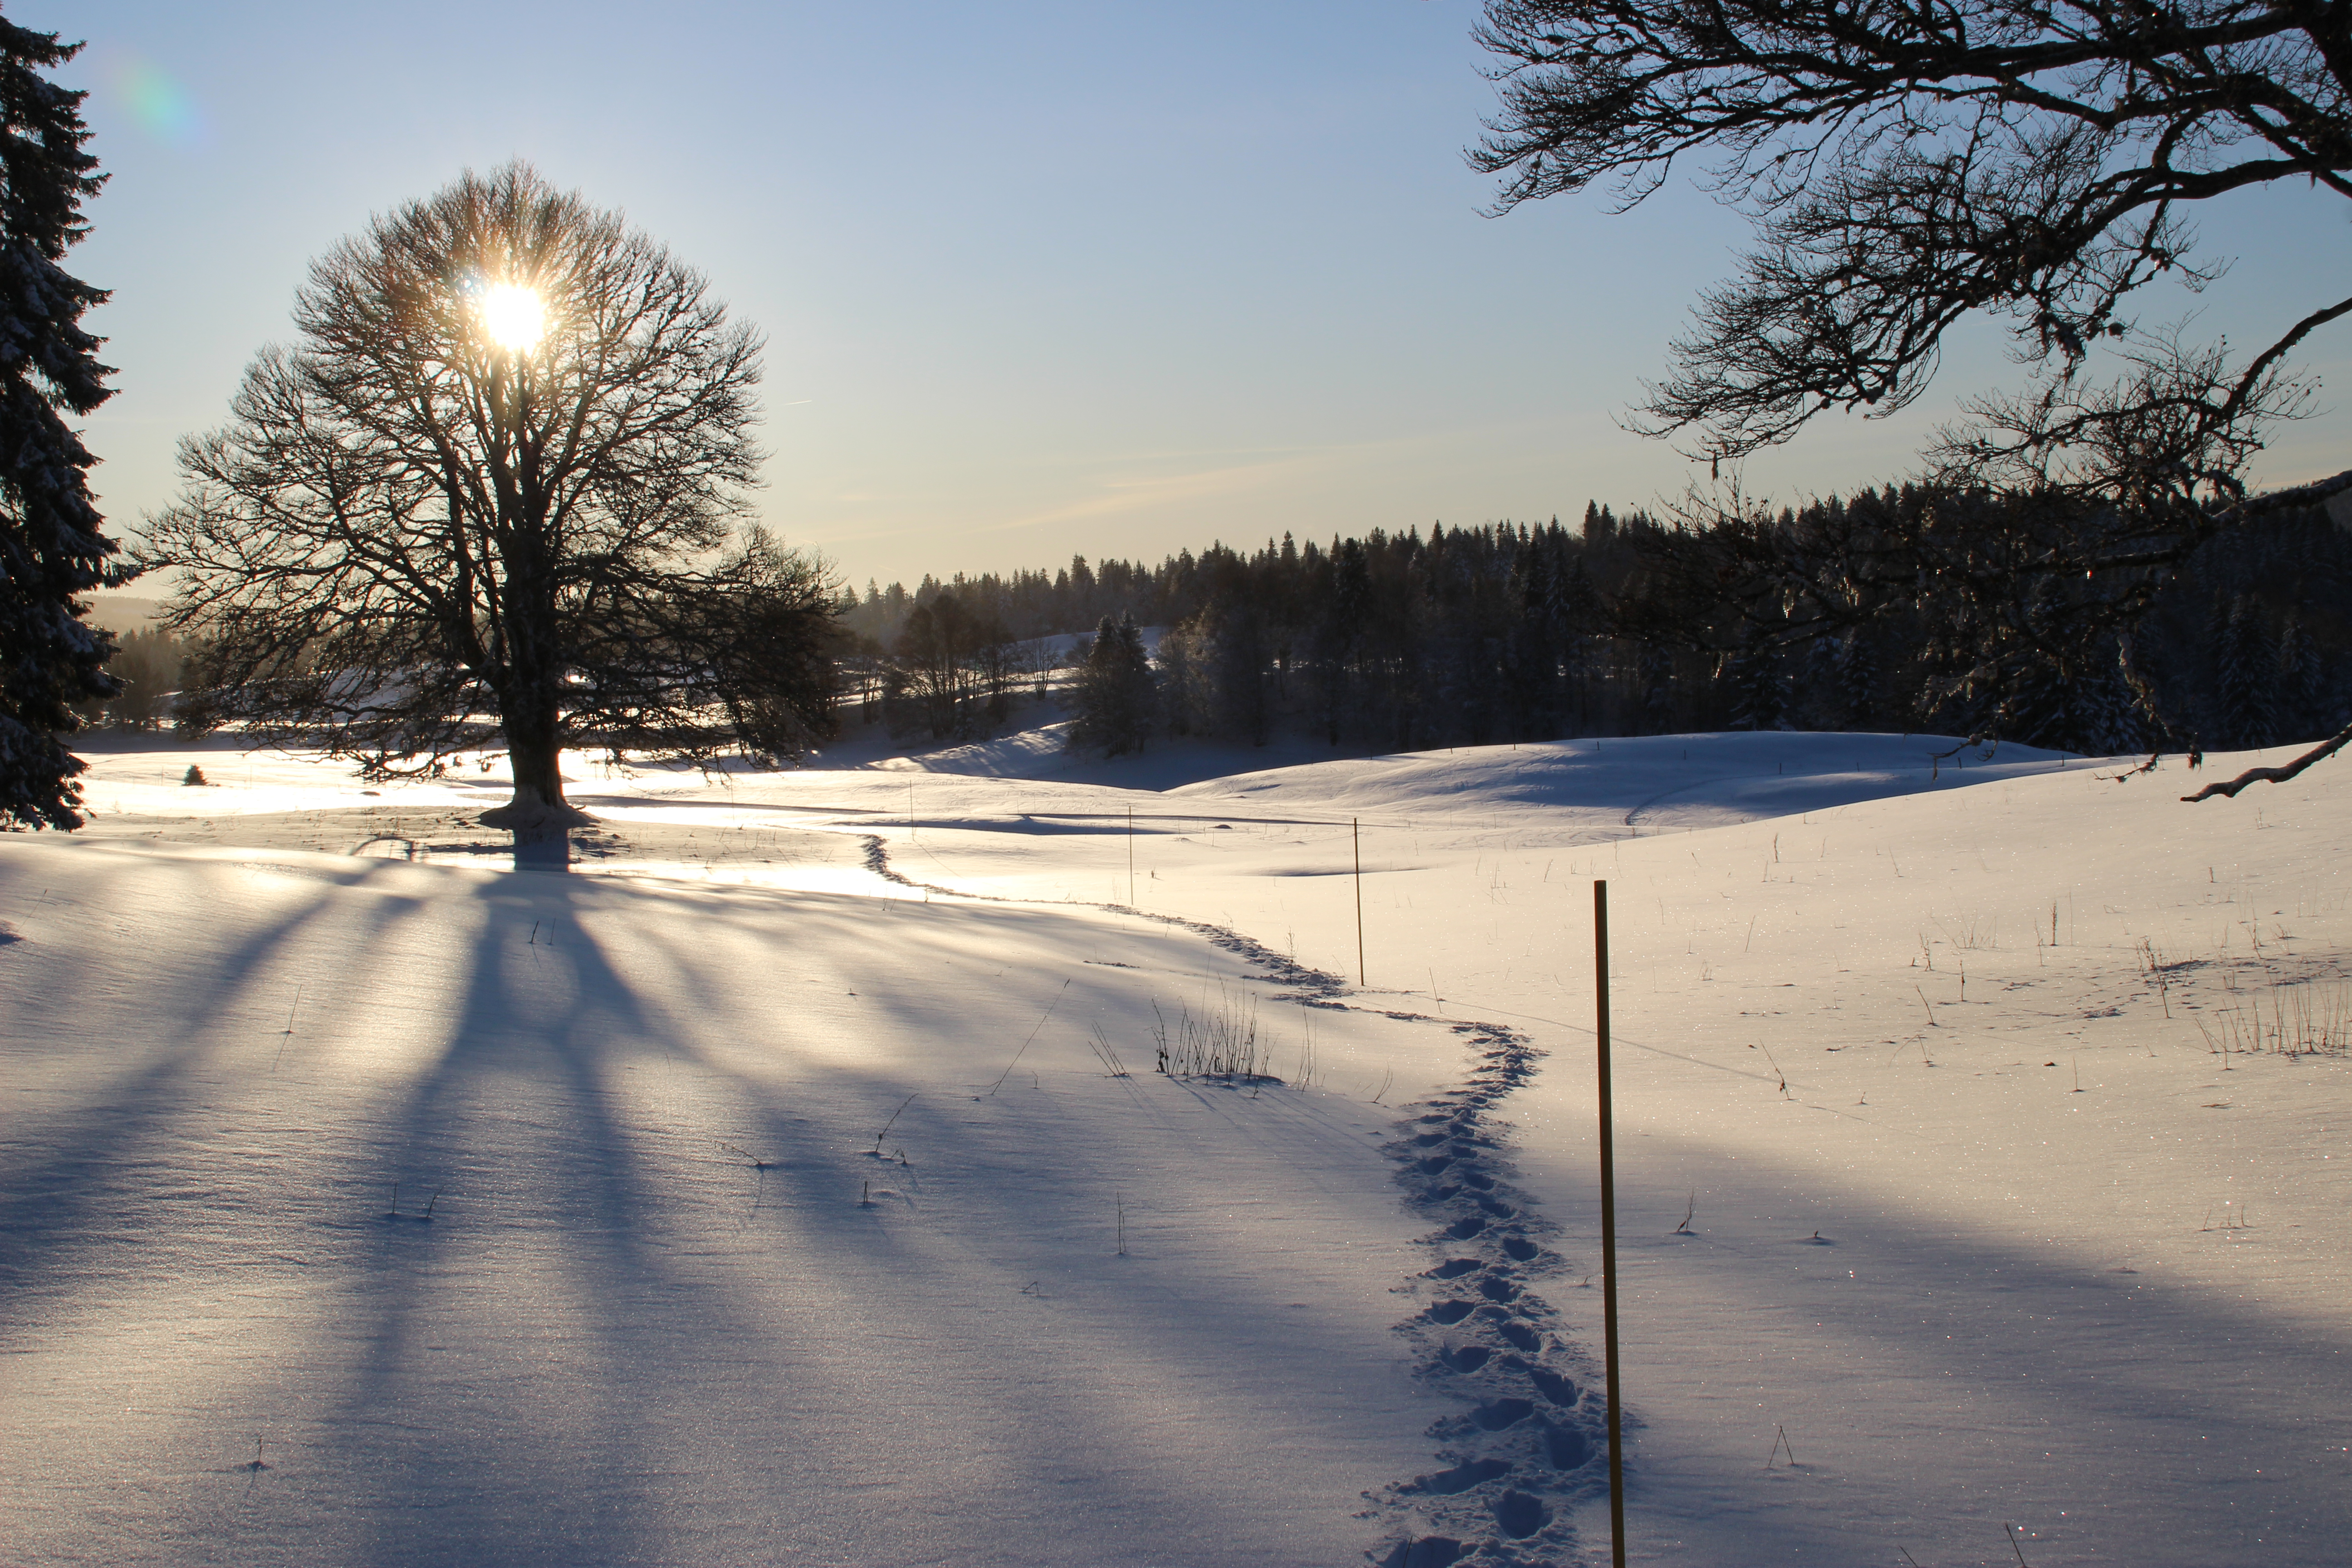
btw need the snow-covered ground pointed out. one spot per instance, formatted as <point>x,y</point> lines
<point>1960,1172</point>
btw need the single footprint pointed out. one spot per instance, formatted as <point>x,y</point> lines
<point>1502,1413</point>
<point>1461,1478</point>
<point>1553,1386</point>
<point>1520,1514</point>
<point>1566,1448</point>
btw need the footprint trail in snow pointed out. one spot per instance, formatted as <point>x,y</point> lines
<point>1517,1458</point>
<point>1520,1456</point>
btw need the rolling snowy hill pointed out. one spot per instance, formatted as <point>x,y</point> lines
<point>766,1193</point>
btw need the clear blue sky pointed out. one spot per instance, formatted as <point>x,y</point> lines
<point>1037,278</point>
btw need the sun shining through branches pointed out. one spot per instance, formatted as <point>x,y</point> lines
<point>570,553</point>
<point>513,316</point>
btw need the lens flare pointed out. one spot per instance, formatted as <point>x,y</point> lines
<point>159,104</point>
<point>512,316</point>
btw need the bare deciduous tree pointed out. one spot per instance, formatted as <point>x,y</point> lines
<point>1908,165</point>
<point>498,478</point>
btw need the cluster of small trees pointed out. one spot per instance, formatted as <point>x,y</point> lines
<point>145,666</point>
<point>948,672</point>
<point>1974,613</point>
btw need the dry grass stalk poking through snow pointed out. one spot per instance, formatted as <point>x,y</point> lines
<point>2302,1019</point>
<point>1223,1043</point>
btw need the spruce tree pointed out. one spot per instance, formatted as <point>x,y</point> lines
<point>1532,647</point>
<point>2107,718</point>
<point>51,546</point>
<point>1822,695</point>
<point>1656,675</point>
<point>1858,680</point>
<point>1758,692</point>
<point>1115,696</point>
<point>1237,675</point>
<point>2245,672</point>
<point>2303,684</point>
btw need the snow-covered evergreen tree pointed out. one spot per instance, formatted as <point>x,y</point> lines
<point>2108,721</point>
<point>52,549</point>
<point>1821,697</point>
<point>1238,668</point>
<point>1654,671</point>
<point>1527,672</point>
<point>1187,693</point>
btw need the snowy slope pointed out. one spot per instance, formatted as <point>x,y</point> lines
<point>1967,1295</point>
<point>667,1305</point>
<point>1648,783</point>
<point>1976,1296</point>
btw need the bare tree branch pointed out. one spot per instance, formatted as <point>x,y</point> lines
<point>1908,165</point>
<point>2229,788</point>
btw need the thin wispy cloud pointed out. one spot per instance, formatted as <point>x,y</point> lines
<point>1141,492</point>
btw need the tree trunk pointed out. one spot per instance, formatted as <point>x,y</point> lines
<point>530,698</point>
<point>535,755</point>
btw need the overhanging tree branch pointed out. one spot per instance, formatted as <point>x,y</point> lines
<point>1908,165</point>
<point>1905,167</point>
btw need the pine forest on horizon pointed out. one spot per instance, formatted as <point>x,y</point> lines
<point>1512,632</point>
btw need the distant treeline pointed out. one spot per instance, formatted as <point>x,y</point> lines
<point>1629,625</point>
<point>1813,618</point>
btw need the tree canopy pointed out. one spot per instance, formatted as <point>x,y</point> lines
<point>498,477</point>
<point>53,548</point>
<point>1906,166</point>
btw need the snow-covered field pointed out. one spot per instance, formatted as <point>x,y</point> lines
<point>765,1193</point>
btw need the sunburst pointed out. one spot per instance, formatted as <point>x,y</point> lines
<point>512,315</point>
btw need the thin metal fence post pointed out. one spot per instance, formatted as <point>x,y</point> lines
<point>1356,832</point>
<point>1607,1225</point>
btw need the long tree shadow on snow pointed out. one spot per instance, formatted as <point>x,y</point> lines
<point>85,1176</point>
<point>602,1242</point>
